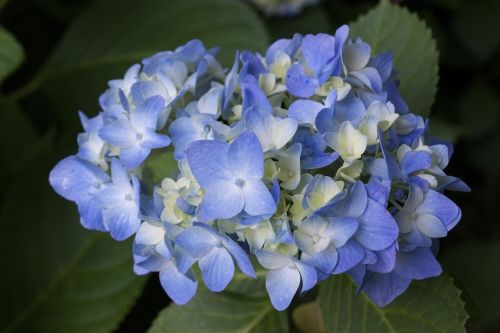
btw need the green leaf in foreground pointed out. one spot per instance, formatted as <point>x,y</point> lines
<point>390,27</point>
<point>480,277</point>
<point>431,306</point>
<point>109,37</point>
<point>56,276</point>
<point>11,54</point>
<point>221,313</point>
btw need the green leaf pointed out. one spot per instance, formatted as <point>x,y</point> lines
<point>431,305</point>
<point>223,312</point>
<point>58,277</point>
<point>392,28</point>
<point>109,37</point>
<point>11,53</point>
<point>480,277</point>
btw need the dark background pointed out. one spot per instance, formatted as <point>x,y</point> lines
<point>467,111</point>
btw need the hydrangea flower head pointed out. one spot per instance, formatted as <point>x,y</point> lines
<point>306,157</point>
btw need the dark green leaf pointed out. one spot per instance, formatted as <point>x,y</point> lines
<point>224,312</point>
<point>109,37</point>
<point>431,306</point>
<point>11,53</point>
<point>392,28</point>
<point>480,277</point>
<point>58,277</point>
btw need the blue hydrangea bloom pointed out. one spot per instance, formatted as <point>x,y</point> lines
<point>136,136</point>
<point>231,175</point>
<point>306,156</point>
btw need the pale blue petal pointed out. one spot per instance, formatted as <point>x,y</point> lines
<point>119,133</point>
<point>133,156</point>
<point>196,241</point>
<point>217,269</point>
<point>245,157</point>
<point>122,222</point>
<point>281,285</point>
<point>431,226</point>
<point>146,114</point>
<point>415,161</point>
<point>258,199</point>
<point>377,228</point>
<point>240,257</point>
<point>384,288</point>
<point>73,178</point>
<point>305,111</point>
<point>208,162</point>
<point>179,287</point>
<point>308,275</point>
<point>439,205</point>
<point>318,50</point>
<point>298,83</point>
<point>341,229</point>
<point>386,260</point>
<point>271,260</point>
<point>324,261</point>
<point>222,200</point>
<point>417,264</point>
<point>349,255</point>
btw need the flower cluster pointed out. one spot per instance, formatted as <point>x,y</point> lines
<point>282,7</point>
<point>306,157</point>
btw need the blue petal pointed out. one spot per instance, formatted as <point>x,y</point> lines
<point>281,285</point>
<point>119,133</point>
<point>318,50</point>
<point>305,111</point>
<point>308,275</point>
<point>222,200</point>
<point>384,288</point>
<point>355,203</point>
<point>271,260</point>
<point>146,114</point>
<point>298,83</point>
<point>439,205</point>
<point>154,140</point>
<point>73,178</point>
<point>240,257</point>
<point>356,56</point>
<point>91,214</point>
<point>415,161</point>
<point>377,228</point>
<point>196,241</point>
<point>217,269</point>
<point>349,255</point>
<point>121,222</point>
<point>253,96</point>
<point>179,287</point>
<point>324,261</point>
<point>417,264</point>
<point>208,162</point>
<point>383,64</point>
<point>258,199</point>
<point>245,157</point>
<point>386,260</point>
<point>340,230</point>
<point>133,156</point>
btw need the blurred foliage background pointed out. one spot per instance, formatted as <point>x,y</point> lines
<point>72,47</point>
